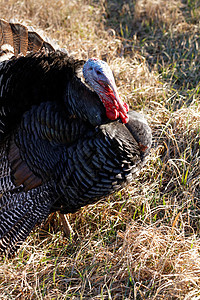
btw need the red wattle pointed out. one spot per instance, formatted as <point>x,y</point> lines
<point>112,114</point>
<point>124,118</point>
<point>126,106</point>
<point>115,107</point>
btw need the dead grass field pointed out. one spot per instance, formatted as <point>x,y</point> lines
<point>143,242</point>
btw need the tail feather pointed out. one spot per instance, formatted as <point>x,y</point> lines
<point>18,39</point>
<point>6,36</point>
<point>36,43</point>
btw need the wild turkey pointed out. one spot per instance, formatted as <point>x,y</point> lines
<point>63,144</point>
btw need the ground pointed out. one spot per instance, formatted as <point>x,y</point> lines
<point>143,242</point>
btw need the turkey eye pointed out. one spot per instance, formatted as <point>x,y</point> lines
<point>99,73</point>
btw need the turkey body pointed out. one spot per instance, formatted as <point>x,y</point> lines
<point>58,149</point>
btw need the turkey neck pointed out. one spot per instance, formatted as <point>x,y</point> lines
<point>84,103</point>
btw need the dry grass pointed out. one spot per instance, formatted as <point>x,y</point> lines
<point>143,242</point>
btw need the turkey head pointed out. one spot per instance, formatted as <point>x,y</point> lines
<point>99,77</point>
